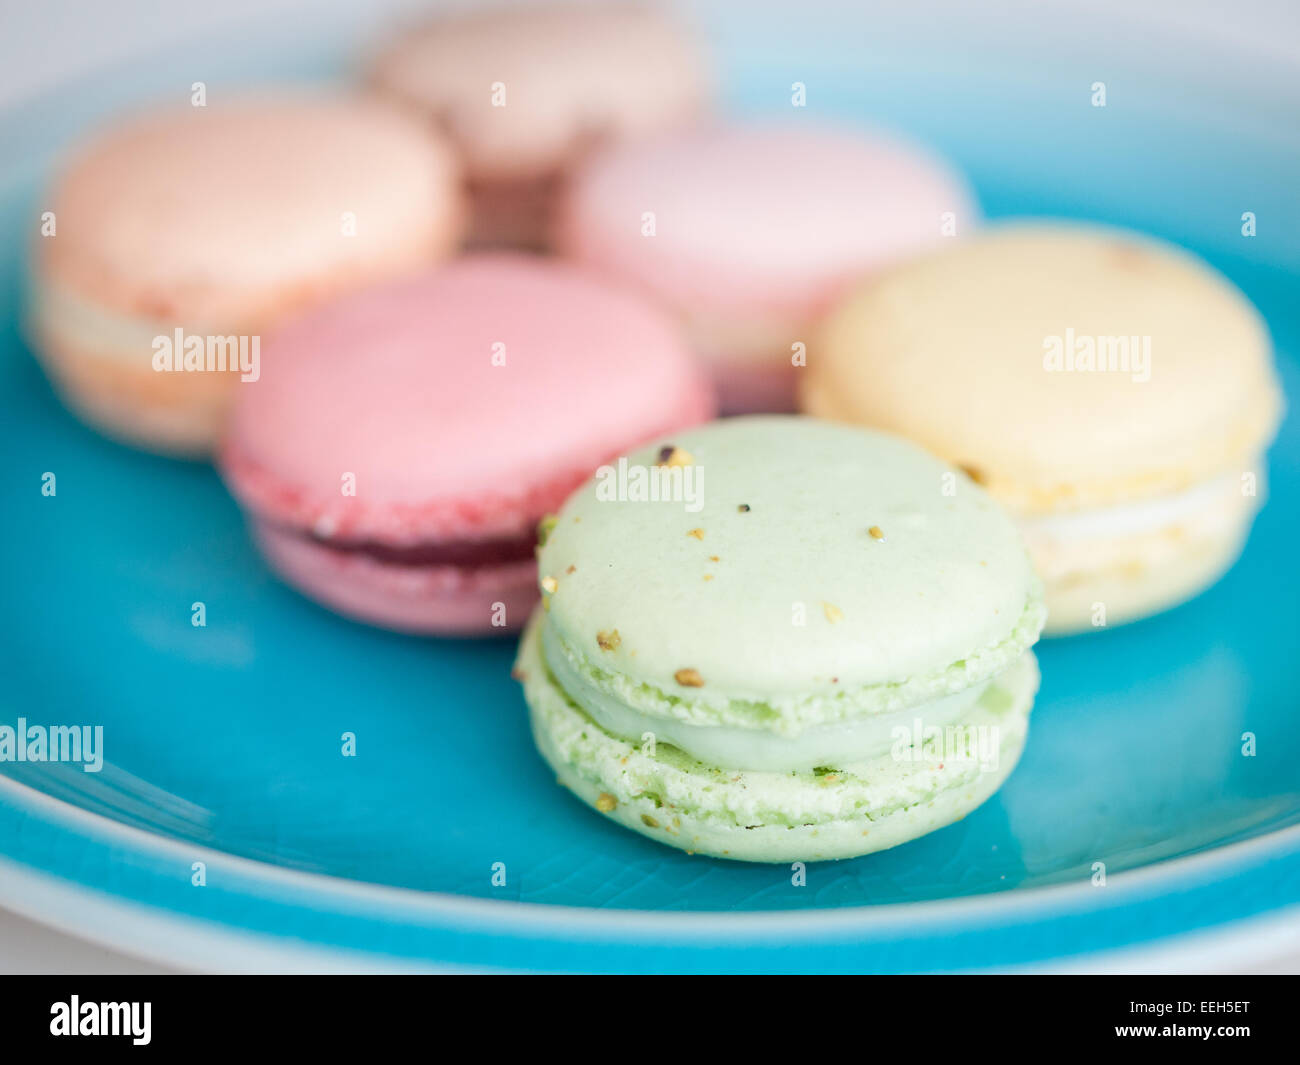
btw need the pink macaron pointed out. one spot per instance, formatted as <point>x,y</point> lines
<point>401,445</point>
<point>750,232</point>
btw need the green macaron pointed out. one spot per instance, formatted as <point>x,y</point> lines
<point>779,639</point>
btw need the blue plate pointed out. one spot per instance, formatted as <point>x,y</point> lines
<point>227,829</point>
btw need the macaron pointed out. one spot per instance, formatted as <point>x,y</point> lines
<point>749,232</point>
<point>808,641</point>
<point>525,92</point>
<point>1115,393</point>
<point>402,443</point>
<point>174,240</point>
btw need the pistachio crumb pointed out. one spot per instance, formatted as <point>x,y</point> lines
<point>697,533</point>
<point>549,584</point>
<point>572,569</point>
<point>708,576</point>
<point>672,455</point>
<point>714,558</point>
<point>608,639</point>
<point>649,821</point>
<point>544,529</point>
<point>832,612</point>
<point>689,678</point>
<point>605,802</point>
<point>876,534</point>
<point>743,508</point>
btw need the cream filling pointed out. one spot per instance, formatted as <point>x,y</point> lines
<point>732,747</point>
<point>1209,504</point>
<point>81,325</point>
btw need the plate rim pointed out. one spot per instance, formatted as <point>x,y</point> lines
<point>92,826</point>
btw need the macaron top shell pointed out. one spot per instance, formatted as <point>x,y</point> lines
<point>829,571</point>
<point>954,350</point>
<point>224,213</point>
<point>757,216</point>
<point>464,402</point>
<point>522,91</point>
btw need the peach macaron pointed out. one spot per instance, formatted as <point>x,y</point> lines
<point>403,443</point>
<point>750,232</point>
<point>524,92</point>
<point>172,241</point>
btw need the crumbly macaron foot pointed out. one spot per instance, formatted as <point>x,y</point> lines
<point>833,812</point>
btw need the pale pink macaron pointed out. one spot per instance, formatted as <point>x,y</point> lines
<point>750,232</point>
<point>524,92</point>
<point>218,222</point>
<point>402,444</point>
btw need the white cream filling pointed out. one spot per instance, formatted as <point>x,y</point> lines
<point>1216,496</point>
<point>757,749</point>
<point>82,325</point>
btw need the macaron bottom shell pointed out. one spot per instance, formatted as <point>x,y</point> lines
<point>841,812</point>
<point>1126,590</point>
<point>100,358</point>
<point>440,600</point>
<point>172,414</point>
<point>1104,566</point>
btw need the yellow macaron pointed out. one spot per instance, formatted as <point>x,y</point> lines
<point>1115,393</point>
